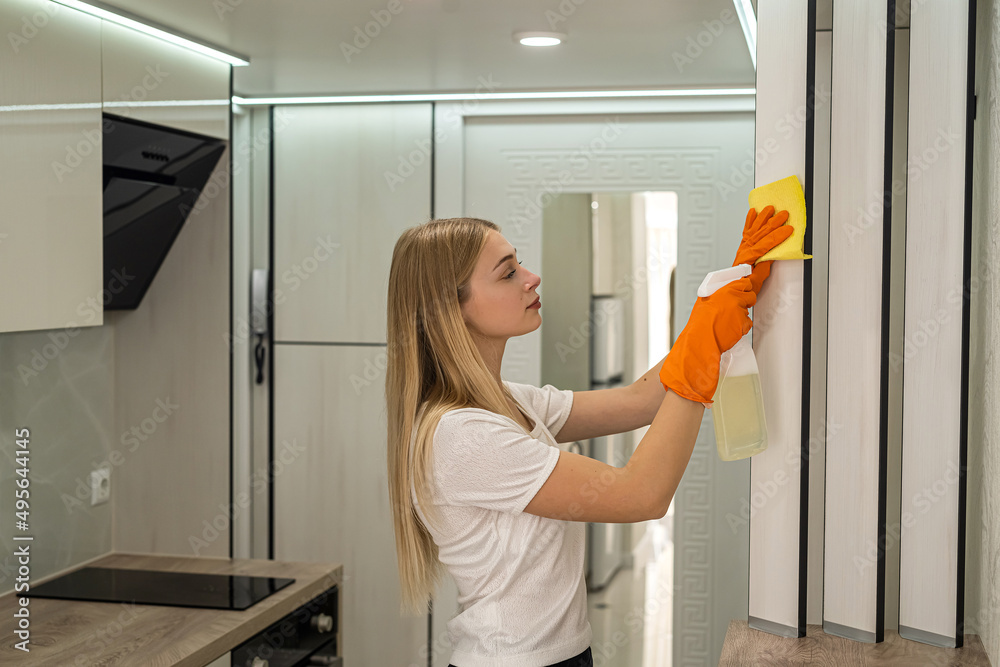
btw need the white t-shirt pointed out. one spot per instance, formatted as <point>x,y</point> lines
<point>521,590</point>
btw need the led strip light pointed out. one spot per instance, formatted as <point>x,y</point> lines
<point>451,97</point>
<point>123,18</point>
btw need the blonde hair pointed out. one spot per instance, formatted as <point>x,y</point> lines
<point>434,365</point>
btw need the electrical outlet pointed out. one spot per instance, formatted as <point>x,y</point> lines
<point>100,486</point>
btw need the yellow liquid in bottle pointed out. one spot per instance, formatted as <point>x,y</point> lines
<point>738,415</point>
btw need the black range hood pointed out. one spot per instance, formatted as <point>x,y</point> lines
<point>153,175</point>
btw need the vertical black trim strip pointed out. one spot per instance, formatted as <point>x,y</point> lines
<point>232,500</point>
<point>753,183</point>
<point>270,334</point>
<point>902,370</point>
<point>829,269</point>
<point>807,319</point>
<point>963,437</point>
<point>433,214</point>
<point>890,60</point>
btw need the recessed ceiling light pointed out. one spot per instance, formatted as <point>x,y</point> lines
<point>539,38</point>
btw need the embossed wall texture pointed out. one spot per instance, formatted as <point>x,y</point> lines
<point>700,158</point>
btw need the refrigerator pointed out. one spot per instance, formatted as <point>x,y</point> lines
<point>606,542</point>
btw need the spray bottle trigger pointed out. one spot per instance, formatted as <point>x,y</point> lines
<point>717,279</point>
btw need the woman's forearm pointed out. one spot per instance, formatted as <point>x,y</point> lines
<point>660,458</point>
<point>651,392</point>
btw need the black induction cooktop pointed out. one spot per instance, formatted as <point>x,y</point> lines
<point>175,589</point>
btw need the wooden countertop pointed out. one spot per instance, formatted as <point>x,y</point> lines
<point>70,632</point>
<point>745,646</point>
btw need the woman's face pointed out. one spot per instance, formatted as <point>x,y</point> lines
<point>500,292</point>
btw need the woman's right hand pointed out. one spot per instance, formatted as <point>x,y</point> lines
<point>717,322</point>
<point>762,232</point>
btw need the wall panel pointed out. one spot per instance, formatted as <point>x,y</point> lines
<point>935,350</point>
<point>858,313</point>
<point>779,476</point>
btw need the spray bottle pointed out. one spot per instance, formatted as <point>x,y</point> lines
<point>738,407</point>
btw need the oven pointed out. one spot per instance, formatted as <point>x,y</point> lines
<point>307,636</point>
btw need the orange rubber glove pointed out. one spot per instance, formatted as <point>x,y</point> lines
<point>716,324</point>
<point>761,234</point>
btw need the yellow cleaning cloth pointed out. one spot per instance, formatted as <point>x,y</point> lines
<point>784,195</point>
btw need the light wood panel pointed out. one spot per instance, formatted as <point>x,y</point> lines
<point>935,340</point>
<point>330,492</point>
<point>51,252</point>
<point>348,179</point>
<point>745,647</point>
<point>857,378</point>
<point>173,352</point>
<point>172,396</point>
<point>779,475</point>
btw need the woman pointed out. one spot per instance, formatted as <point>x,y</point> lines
<point>477,482</point>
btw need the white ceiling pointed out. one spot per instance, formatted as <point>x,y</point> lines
<point>295,46</point>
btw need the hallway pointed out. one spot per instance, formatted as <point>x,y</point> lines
<point>632,617</point>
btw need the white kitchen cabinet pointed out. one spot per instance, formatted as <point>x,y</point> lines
<point>331,500</point>
<point>348,179</point>
<point>51,226</point>
<point>152,80</point>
